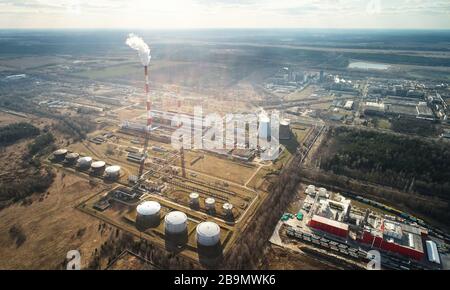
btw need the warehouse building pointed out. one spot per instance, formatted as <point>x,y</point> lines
<point>330,226</point>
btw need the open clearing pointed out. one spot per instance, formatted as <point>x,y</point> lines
<point>219,167</point>
<point>52,227</point>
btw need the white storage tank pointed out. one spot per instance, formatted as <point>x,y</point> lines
<point>175,222</point>
<point>98,166</point>
<point>210,204</point>
<point>148,214</point>
<point>84,162</point>
<point>112,172</point>
<point>311,189</point>
<point>71,158</point>
<point>60,154</point>
<point>227,209</point>
<point>208,234</point>
<point>194,199</point>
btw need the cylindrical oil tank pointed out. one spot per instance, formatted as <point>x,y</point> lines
<point>147,214</point>
<point>194,199</point>
<point>98,167</point>
<point>208,234</point>
<point>71,158</point>
<point>311,189</point>
<point>112,172</point>
<point>227,209</point>
<point>210,204</point>
<point>285,130</point>
<point>175,222</point>
<point>322,192</point>
<point>84,162</point>
<point>60,154</point>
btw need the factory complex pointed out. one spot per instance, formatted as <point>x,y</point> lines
<point>330,221</point>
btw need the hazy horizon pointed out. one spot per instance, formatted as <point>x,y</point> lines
<point>225,14</point>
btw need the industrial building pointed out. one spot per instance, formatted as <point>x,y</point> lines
<point>432,252</point>
<point>333,214</point>
<point>396,237</point>
<point>330,226</point>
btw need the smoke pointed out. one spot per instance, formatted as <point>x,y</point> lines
<point>136,43</point>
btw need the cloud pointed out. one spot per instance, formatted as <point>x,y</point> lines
<point>235,13</point>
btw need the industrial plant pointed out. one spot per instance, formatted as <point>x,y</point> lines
<point>331,221</point>
<point>239,150</point>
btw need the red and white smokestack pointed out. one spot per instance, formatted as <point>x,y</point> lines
<point>148,100</point>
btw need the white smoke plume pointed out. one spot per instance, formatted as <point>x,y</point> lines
<point>137,43</point>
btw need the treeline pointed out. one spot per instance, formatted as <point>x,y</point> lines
<point>75,127</point>
<point>249,247</point>
<point>405,163</point>
<point>399,59</point>
<point>41,143</point>
<point>21,188</point>
<point>415,127</point>
<point>13,132</point>
<point>119,242</point>
<point>428,208</point>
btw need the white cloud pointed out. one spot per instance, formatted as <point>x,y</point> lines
<point>226,13</point>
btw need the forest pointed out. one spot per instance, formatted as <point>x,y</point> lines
<point>11,133</point>
<point>410,164</point>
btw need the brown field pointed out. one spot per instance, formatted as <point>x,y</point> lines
<point>130,261</point>
<point>219,167</point>
<point>52,227</point>
<point>6,119</point>
<point>277,258</point>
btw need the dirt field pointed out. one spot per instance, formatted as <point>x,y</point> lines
<point>282,259</point>
<point>52,227</point>
<point>219,167</point>
<point>6,119</point>
<point>129,261</point>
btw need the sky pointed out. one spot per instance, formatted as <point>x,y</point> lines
<point>187,14</point>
